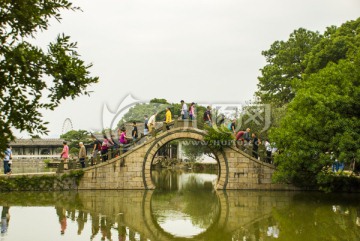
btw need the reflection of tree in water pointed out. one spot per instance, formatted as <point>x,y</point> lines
<point>194,184</point>
<point>202,206</point>
<point>307,217</point>
<point>205,210</point>
<point>305,221</point>
<point>262,229</point>
<point>167,179</point>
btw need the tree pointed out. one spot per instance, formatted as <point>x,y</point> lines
<point>74,137</point>
<point>31,78</point>
<point>322,118</point>
<point>137,112</point>
<point>285,66</point>
<point>338,43</point>
<point>194,150</point>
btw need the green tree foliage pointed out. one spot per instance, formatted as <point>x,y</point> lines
<point>31,78</point>
<point>137,112</point>
<point>285,66</point>
<point>159,101</point>
<point>194,150</point>
<point>338,43</point>
<point>324,115</point>
<point>74,137</point>
<point>218,137</point>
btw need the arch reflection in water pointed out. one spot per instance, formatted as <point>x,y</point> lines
<point>139,215</point>
<point>185,213</point>
<point>184,204</point>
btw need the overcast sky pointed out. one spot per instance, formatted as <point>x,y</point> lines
<point>206,51</point>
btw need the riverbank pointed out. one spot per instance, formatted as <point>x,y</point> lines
<point>46,181</point>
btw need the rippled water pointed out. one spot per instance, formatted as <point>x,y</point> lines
<point>184,207</point>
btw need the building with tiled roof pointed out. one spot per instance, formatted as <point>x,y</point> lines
<point>36,148</point>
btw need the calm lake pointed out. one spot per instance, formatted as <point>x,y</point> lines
<point>183,207</point>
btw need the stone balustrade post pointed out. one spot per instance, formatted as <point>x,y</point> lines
<point>176,121</point>
<point>109,154</point>
<point>98,158</point>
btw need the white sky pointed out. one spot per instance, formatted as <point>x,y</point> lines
<point>206,51</point>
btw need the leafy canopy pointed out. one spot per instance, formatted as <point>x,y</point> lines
<point>324,115</point>
<point>285,67</point>
<point>32,78</point>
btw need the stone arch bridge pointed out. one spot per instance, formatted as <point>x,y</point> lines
<point>132,170</point>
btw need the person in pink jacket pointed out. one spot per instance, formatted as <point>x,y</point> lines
<point>65,155</point>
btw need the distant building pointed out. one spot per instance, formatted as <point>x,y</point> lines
<point>36,148</point>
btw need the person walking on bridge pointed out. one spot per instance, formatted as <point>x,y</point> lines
<point>168,118</point>
<point>151,122</point>
<point>256,143</point>
<point>146,128</point>
<point>134,132</point>
<point>184,110</point>
<point>207,116</point>
<point>239,136</point>
<point>82,154</point>
<point>192,111</point>
<point>65,155</point>
<point>247,136</point>
<point>96,149</point>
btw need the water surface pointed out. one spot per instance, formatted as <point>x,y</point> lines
<point>185,208</point>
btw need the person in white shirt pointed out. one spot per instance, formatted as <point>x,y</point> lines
<point>151,122</point>
<point>7,160</point>
<point>268,151</point>
<point>184,110</point>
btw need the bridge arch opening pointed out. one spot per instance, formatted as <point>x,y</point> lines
<point>156,151</point>
<point>185,164</point>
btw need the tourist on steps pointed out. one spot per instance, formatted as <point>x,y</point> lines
<point>65,155</point>
<point>192,111</point>
<point>96,148</point>
<point>105,148</point>
<point>207,116</point>
<point>256,142</point>
<point>184,110</point>
<point>151,122</point>
<point>146,128</point>
<point>134,132</point>
<point>168,118</point>
<point>82,154</point>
